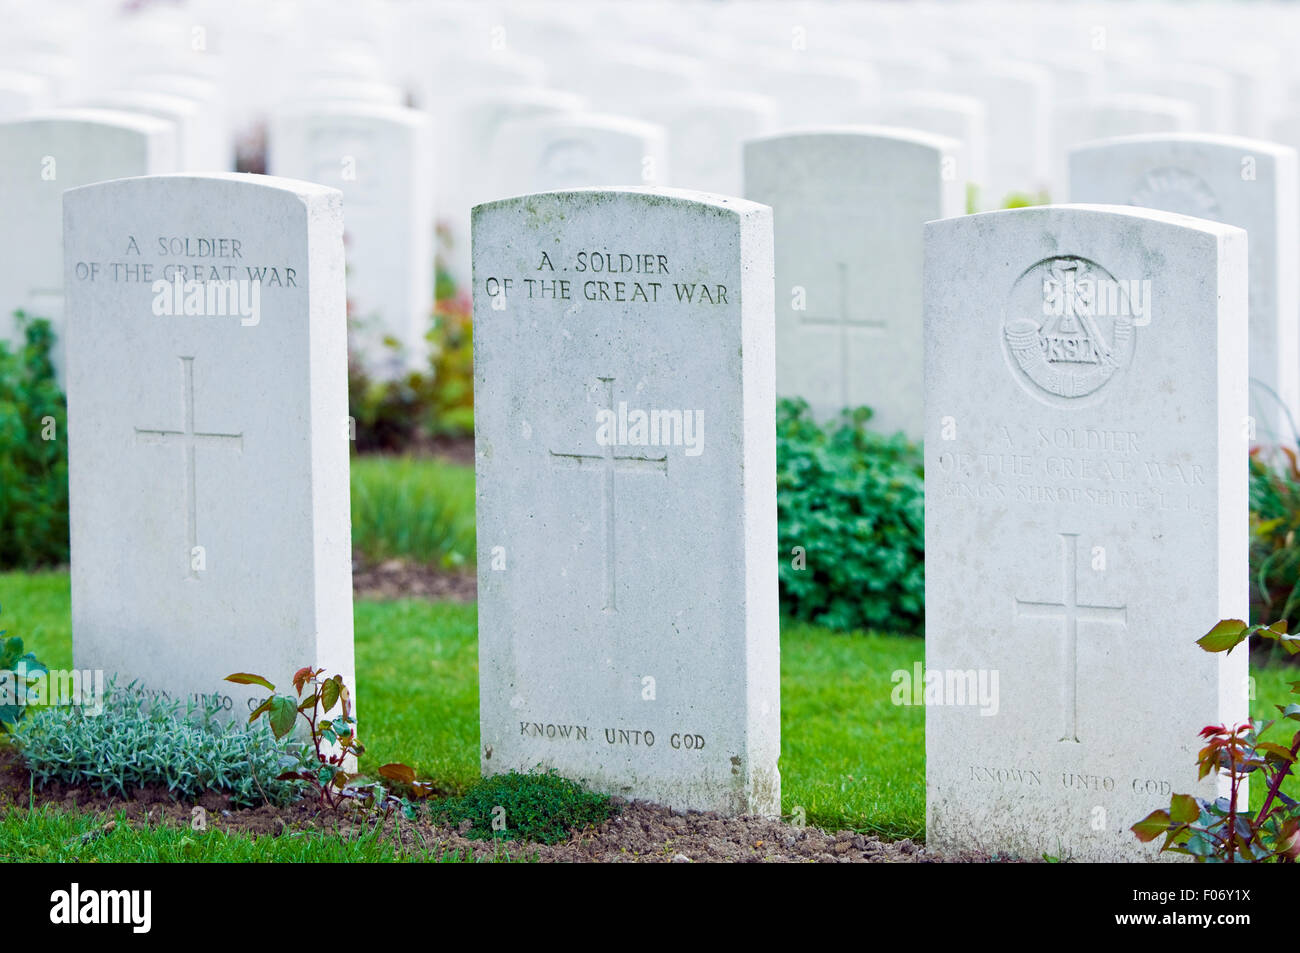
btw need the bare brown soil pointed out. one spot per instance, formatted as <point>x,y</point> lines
<point>399,579</point>
<point>639,832</point>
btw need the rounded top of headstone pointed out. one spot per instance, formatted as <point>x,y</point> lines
<point>1242,145</point>
<point>863,133</point>
<point>862,136</point>
<point>89,116</point>
<point>308,192</point>
<point>1077,212</point>
<point>647,194</point>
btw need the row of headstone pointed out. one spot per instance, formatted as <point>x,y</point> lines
<point>846,202</point>
<point>1086,499</point>
<point>518,110</point>
<point>1085,379</point>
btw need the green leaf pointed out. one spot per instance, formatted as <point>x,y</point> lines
<point>1151,826</point>
<point>1183,809</point>
<point>1224,637</point>
<point>257,712</point>
<point>284,712</point>
<point>244,678</point>
<point>329,693</point>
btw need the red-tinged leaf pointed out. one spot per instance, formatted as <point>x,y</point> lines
<point>1224,637</point>
<point>398,772</point>
<point>1209,731</point>
<point>1276,749</point>
<point>1183,809</point>
<point>244,678</point>
<point>295,776</point>
<point>301,678</point>
<point>259,710</point>
<point>1206,768</point>
<point>309,702</point>
<point>1151,826</point>
<point>422,789</point>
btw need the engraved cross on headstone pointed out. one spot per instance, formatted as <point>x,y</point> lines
<point>608,463</point>
<point>1072,612</point>
<point>189,440</point>
<point>844,323</point>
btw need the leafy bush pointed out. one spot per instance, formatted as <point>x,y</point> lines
<point>18,670</point>
<point>1224,830</point>
<point>535,807</point>
<point>138,741</point>
<point>333,741</point>
<point>409,412</point>
<point>33,453</point>
<point>850,522</point>
<point>1274,542</point>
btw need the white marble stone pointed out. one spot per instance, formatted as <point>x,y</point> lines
<point>963,118</point>
<point>577,150</point>
<point>1086,521</point>
<point>41,156</point>
<point>628,631</point>
<point>1244,182</point>
<point>1076,121</point>
<point>1208,89</point>
<point>1018,96</point>
<point>378,156</point>
<point>849,206</point>
<point>22,93</point>
<point>200,147</point>
<point>208,451</point>
<point>706,134</point>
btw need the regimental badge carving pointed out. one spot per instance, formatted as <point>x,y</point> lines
<point>1068,327</point>
<point>1176,190</point>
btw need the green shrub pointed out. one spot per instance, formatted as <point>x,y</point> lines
<point>413,508</point>
<point>136,741</point>
<point>535,807</point>
<point>438,401</point>
<point>1274,546</point>
<point>19,671</point>
<point>850,522</point>
<point>33,453</point>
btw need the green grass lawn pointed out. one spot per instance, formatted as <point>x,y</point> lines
<point>849,757</point>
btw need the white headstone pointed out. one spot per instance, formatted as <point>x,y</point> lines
<point>1086,521</point>
<point>1076,121</point>
<point>40,157</point>
<point>463,174</point>
<point>22,93</point>
<point>1018,97</point>
<point>963,118</point>
<point>849,206</point>
<point>378,156</point>
<point>577,150</point>
<point>208,452</point>
<point>706,135</point>
<point>623,399</point>
<point>1243,182</point>
<point>200,145</point>
<point>1206,88</point>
